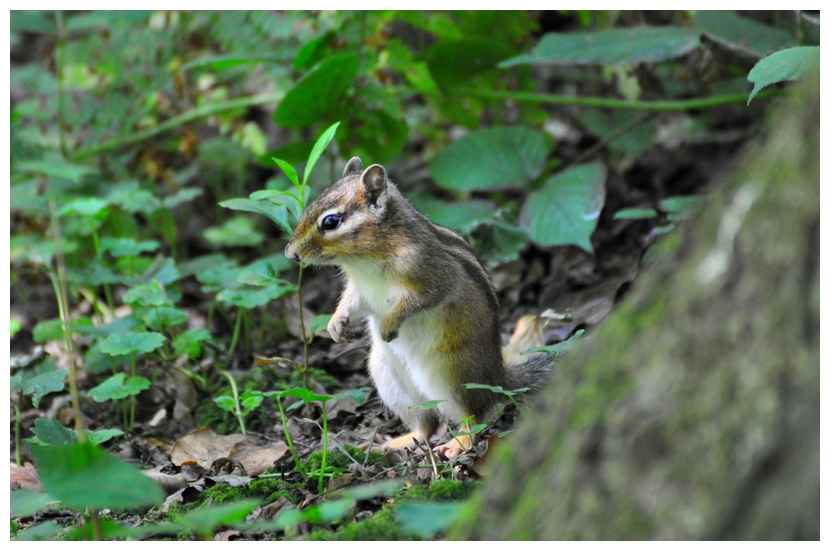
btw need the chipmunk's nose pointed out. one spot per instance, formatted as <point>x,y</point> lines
<point>292,254</point>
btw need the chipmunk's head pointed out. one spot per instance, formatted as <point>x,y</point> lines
<point>344,221</point>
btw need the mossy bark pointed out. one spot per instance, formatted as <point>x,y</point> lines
<point>693,411</point>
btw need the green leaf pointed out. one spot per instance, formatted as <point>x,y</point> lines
<point>496,389</point>
<point>742,31</point>
<point>320,322</point>
<point>313,51</point>
<point>182,196</point>
<point>566,209</point>
<point>117,387</point>
<point>55,165</point>
<point>52,330</point>
<point>611,46</point>
<point>190,342</point>
<point>427,519</point>
<point>315,98</point>
<point>558,348</point>
<point>86,207</point>
<point>25,503</point>
<point>82,475</point>
<point>126,343</point>
<point>251,298</point>
<point>49,432</point>
<point>42,384</point>
<point>118,325</point>
<point>277,214</point>
<point>377,133</point>
<point>681,203</point>
<point>358,395</point>
<point>163,316</point>
<point>496,158</point>
<point>498,242</point>
<point>239,231</point>
<point>14,327</point>
<point>453,62</point>
<point>635,214</point>
<point>44,531</point>
<point>429,404</point>
<point>226,403</point>
<point>250,402</point>
<point>789,64</point>
<point>289,171</point>
<point>260,274</point>
<point>146,294</point>
<point>125,246</point>
<point>205,520</point>
<point>319,147</point>
<point>461,216</point>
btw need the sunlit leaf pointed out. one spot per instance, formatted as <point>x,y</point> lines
<point>117,387</point>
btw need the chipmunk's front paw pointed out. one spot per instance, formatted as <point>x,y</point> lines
<point>388,331</point>
<point>337,327</point>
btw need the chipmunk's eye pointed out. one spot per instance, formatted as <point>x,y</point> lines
<point>330,222</point>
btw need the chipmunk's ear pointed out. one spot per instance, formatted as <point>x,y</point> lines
<point>373,181</point>
<point>354,166</point>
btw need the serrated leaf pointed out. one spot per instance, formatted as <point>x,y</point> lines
<point>625,45</point>
<point>49,432</point>
<point>316,96</point>
<point>251,298</point>
<point>566,209</point>
<point>789,64</point>
<point>319,147</point>
<point>226,403</point>
<point>82,475</point>
<point>250,402</point>
<point>277,214</point>
<point>190,342</point>
<point>118,344</point>
<point>497,158</point>
<point>42,384</point>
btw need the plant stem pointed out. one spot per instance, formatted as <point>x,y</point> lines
<point>288,439</point>
<point>325,451</point>
<point>59,62</point>
<point>237,410</point>
<point>304,368</point>
<point>613,103</point>
<point>132,397</point>
<point>235,333</point>
<point>16,433</point>
<point>170,124</point>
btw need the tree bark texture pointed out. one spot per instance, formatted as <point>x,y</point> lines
<point>692,412</point>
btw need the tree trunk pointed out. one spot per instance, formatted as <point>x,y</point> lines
<point>693,411</point>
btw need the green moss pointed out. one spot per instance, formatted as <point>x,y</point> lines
<point>340,460</point>
<point>380,527</point>
<point>222,493</point>
<point>445,489</point>
<point>272,489</point>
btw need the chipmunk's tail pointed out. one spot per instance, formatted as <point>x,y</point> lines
<point>530,370</point>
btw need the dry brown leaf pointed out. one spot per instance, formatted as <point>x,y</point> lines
<point>257,459</point>
<point>186,397</point>
<point>203,446</point>
<point>24,477</point>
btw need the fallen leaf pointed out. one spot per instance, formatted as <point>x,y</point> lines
<point>203,446</point>
<point>257,459</point>
<point>24,477</point>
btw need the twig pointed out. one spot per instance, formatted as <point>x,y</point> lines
<point>607,140</point>
<point>59,62</point>
<point>809,19</point>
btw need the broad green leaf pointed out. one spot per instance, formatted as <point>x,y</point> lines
<point>427,519</point>
<point>742,31</point>
<point>226,403</point>
<point>789,64</point>
<point>277,214</point>
<point>117,387</point>
<point>190,342</point>
<point>260,274</point>
<point>380,135</point>
<point>496,158</point>
<point>313,51</point>
<point>82,475</point>
<point>319,323</point>
<point>118,325</point>
<point>52,330</point>
<point>126,343</point>
<point>498,242</point>
<point>453,62</point>
<point>635,214</point>
<point>49,432</point>
<point>126,246</point>
<point>146,294</point>
<point>566,209</point>
<point>319,147</point>
<point>219,279</point>
<point>315,98</point>
<point>251,298</point>
<point>239,231</point>
<point>163,316</point>
<point>25,503</point>
<point>289,171</point>
<point>42,384</point>
<point>86,207</point>
<point>611,46</point>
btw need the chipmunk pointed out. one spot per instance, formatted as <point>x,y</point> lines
<point>433,315</point>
